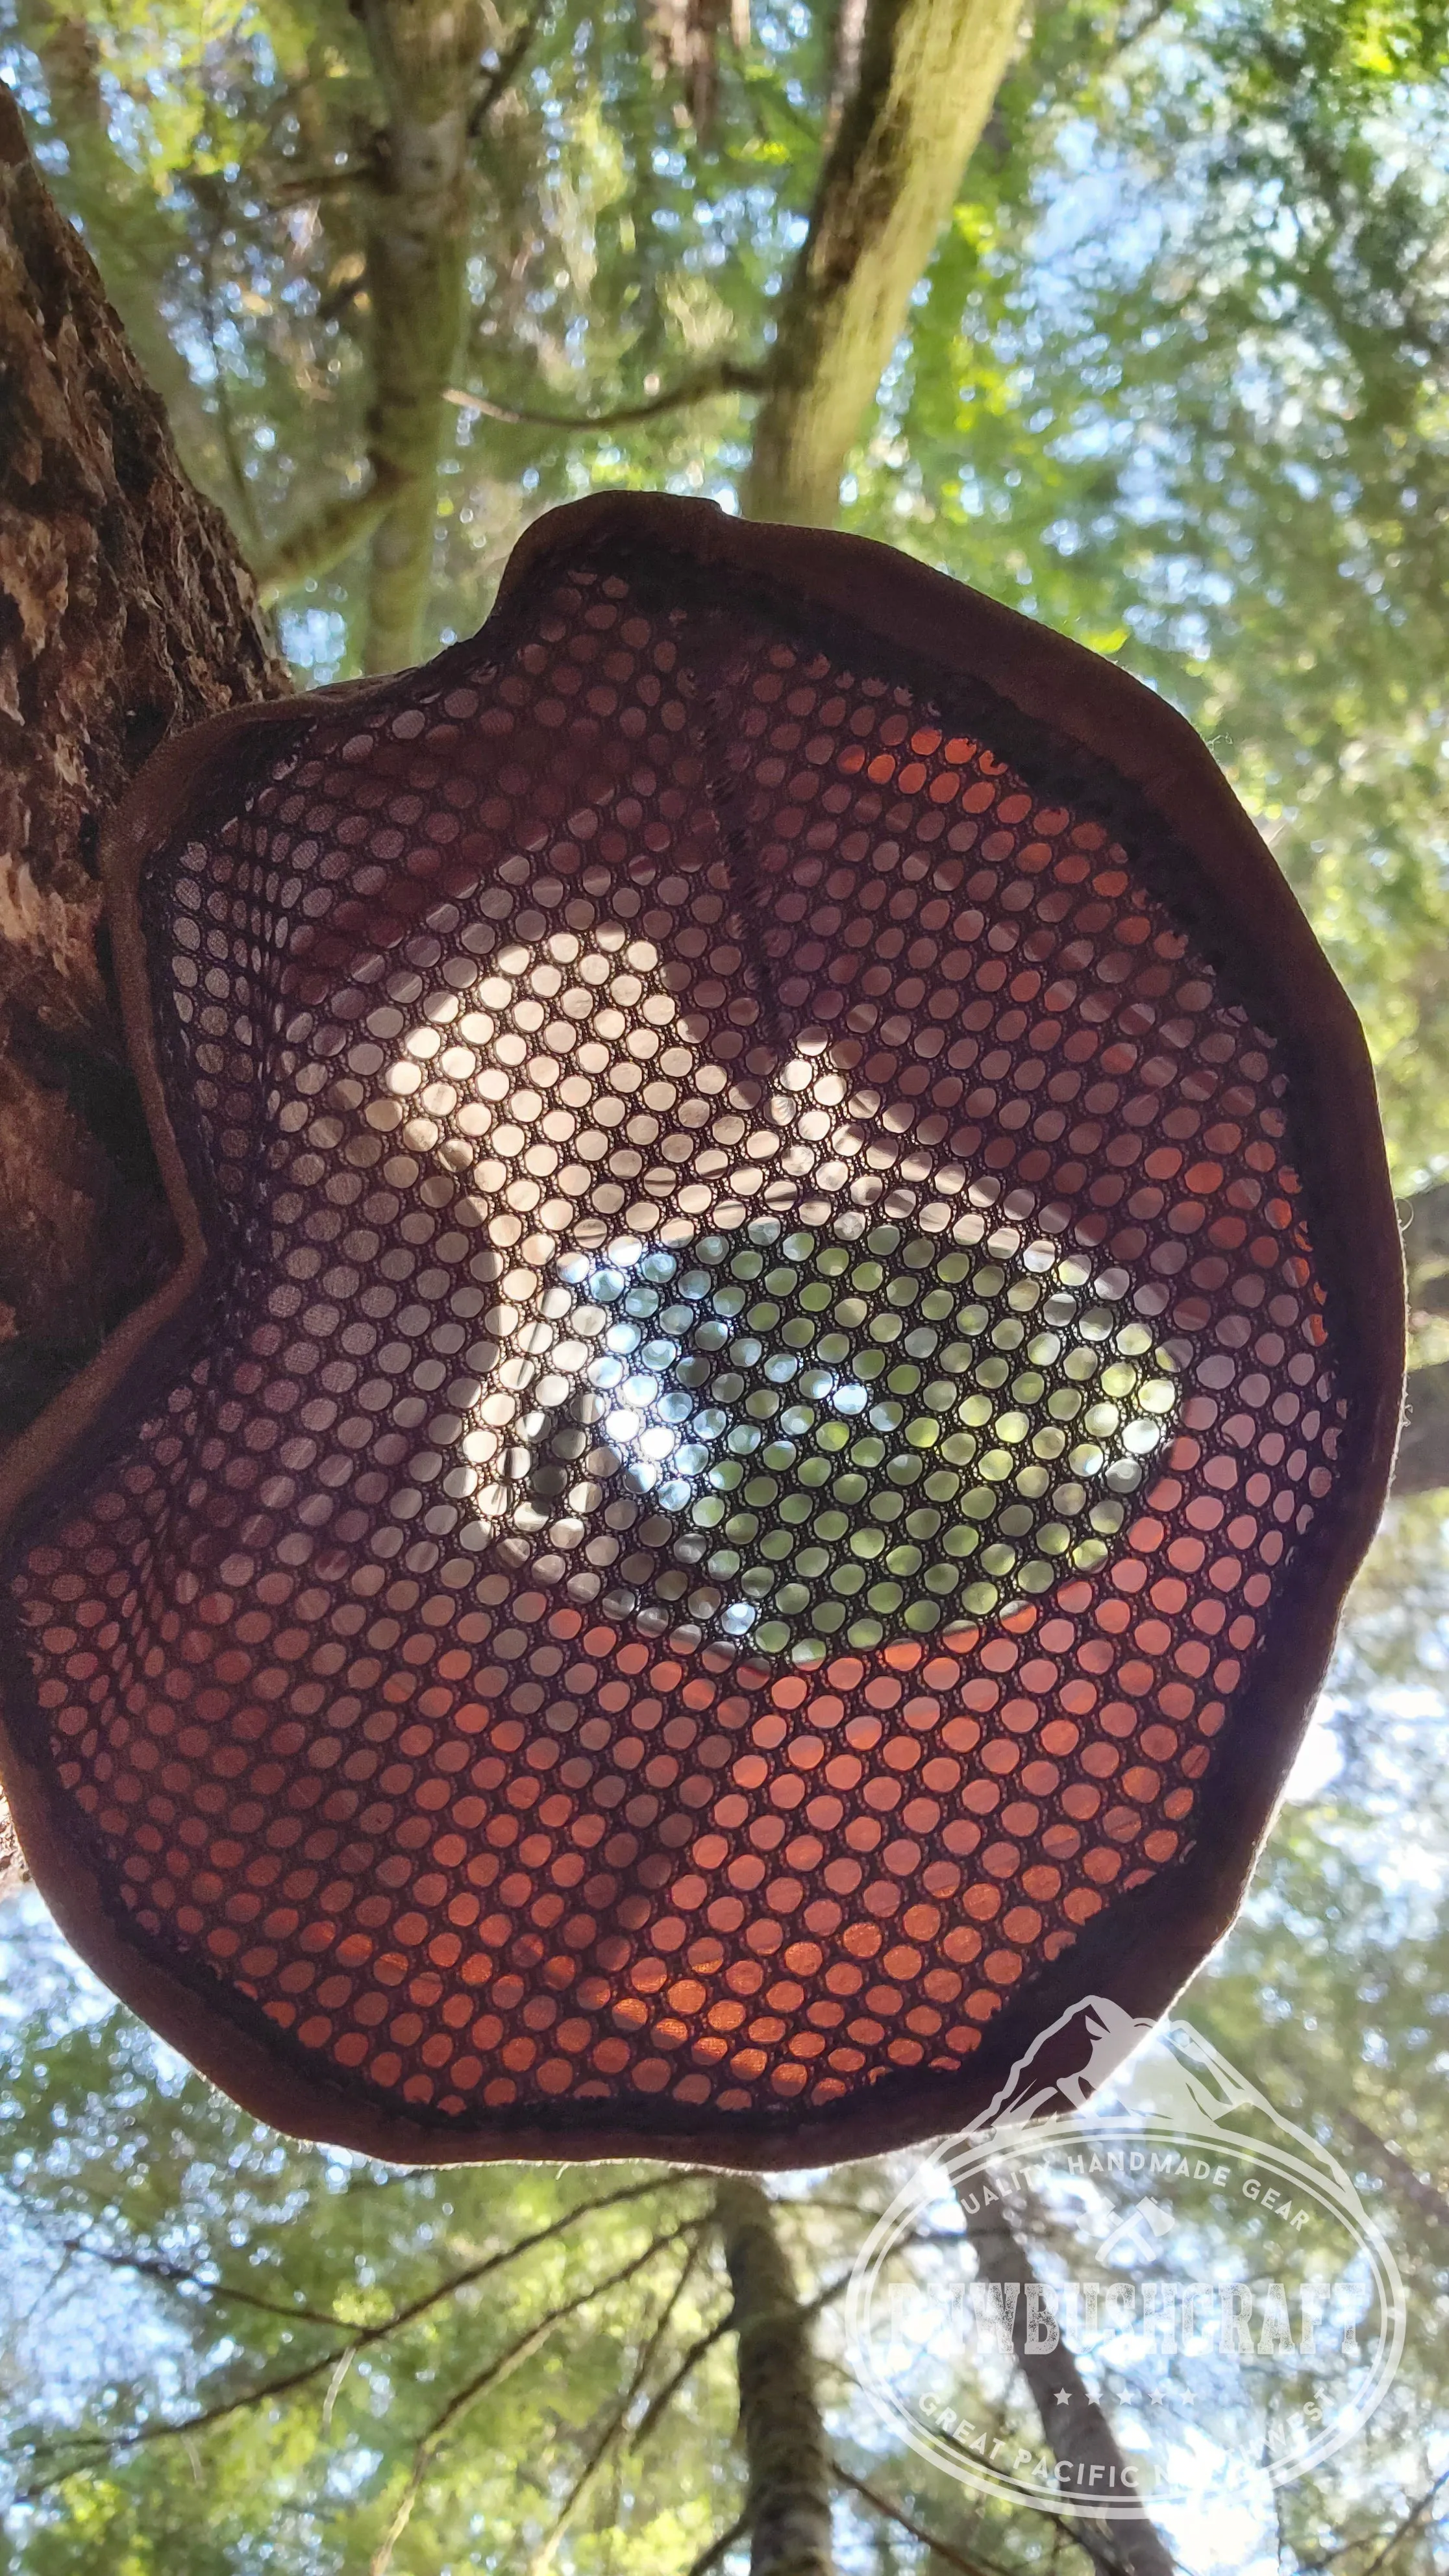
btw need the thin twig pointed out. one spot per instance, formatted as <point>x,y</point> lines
<point>177,2276</point>
<point>706,2342</point>
<point>362,2339</point>
<point>543,2556</point>
<point>663,2396</point>
<point>316,544</point>
<point>826,2297</point>
<point>492,2375</point>
<point>242,491</point>
<point>1151,17</point>
<point>507,67</point>
<point>711,2557</point>
<point>726,378</point>
<point>1414,2515</point>
<point>942,2549</point>
<point>980,2458</point>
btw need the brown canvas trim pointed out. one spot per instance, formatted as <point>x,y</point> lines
<point>1142,1950</point>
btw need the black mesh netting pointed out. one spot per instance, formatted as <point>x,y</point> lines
<point>760,1374</point>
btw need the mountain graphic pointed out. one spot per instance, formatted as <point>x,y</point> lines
<point>1185,2086</point>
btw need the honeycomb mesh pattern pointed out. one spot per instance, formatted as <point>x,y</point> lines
<point>759,1373</point>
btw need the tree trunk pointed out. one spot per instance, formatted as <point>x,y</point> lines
<point>126,224</point>
<point>426,53</point>
<point>928,75</point>
<point>788,2505</point>
<point>125,613</point>
<point>1075,2427</point>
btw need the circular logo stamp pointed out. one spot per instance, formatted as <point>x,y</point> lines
<point>1142,2280</point>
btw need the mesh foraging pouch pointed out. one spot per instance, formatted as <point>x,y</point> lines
<point>791,1334</point>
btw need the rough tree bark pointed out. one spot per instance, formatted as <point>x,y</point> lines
<point>125,612</point>
<point>127,225</point>
<point>787,2512</point>
<point>1077,2432</point>
<point>927,77</point>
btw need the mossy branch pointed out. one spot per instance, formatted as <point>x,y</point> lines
<point>328,536</point>
<point>928,73</point>
<point>787,2467</point>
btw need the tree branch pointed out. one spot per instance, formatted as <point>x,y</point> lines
<point>361,2339</point>
<point>526,2245</point>
<point>174,2275</point>
<point>1422,2196</point>
<point>1315,2082</point>
<point>330,534</point>
<point>1077,2433</point>
<point>495,2372</point>
<point>711,2556</point>
<point>509,64</point>
<point>715,2334</point>
<point>208,196</point>
<point>1411,2520</point>
<point>546,2551</point>
<point>928,75</point>
<point>942,2549</point>
<point>725,378</point>
<point>981,2456</point>
<point>784,2438</point>
<point>664,2396</point>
